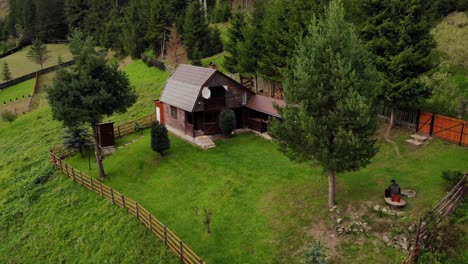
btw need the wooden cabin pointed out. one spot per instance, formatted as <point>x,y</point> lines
<point>194,97</point>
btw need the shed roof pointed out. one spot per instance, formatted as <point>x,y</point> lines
<point>184,84</point>
<point>265,104</point>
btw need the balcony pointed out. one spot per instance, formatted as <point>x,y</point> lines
<point>215,104</point>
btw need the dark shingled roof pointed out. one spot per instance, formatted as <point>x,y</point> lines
<point>184,85</point>
<point>265,104</point>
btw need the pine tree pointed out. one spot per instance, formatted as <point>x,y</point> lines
<point>98,89</point>
<point>329,87</point>
<point>216,44</point>
<point>77,138</point>
<point>398,34</point>
<point>38,53</point>
<point>156,32</point>
<point>196,33</point>
<point>159,138</point>
<point>235,37</point>
<point>6,72</point>
<point>284,21</point>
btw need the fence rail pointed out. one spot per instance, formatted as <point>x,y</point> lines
<point>33,74</point>
<point>57,155</point>
<point>440,212</point>
<point>131,127</point>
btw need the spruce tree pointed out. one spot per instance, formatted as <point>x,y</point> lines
<point>235,37</point>
<point>159,138</point>
<point>398,34</point>
<point>6,72</point>
<point>77,138</point>
<point>38,53</point>
<point>196,33</point>
<point>329,86</point>
<point>157,24</point>
<point>89,91</point>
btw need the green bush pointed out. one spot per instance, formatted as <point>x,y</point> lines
<point>9,116</point>
<point>159,138</point>
<point>314,254</point>
<point>453,177</point>
<point>227,122</point>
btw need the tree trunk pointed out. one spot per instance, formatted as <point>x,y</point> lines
<point>97,152</point>
<point>391,123</point>
<point>331,189</point>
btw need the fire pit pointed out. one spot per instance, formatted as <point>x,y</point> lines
<point>408,193</point>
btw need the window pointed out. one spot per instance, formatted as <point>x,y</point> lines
<point>174,112</point>
<point>244,97</point>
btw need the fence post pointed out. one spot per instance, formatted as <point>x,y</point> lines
<point>100,187</point>
<point>136,206</point>
<point>74,177</point>
<point>112,195</point>
<point>150,224</point>
<point>81,177</point>
<point>165,236</point>
<point>92,185</point>
<point>181,252</point>
<point>431,130</point>
<point>118,128</point>
<point>418,116</point>
<point>123,200</point>
<point>461,134</point>
<point>200,261</point>
<point>66,168</point>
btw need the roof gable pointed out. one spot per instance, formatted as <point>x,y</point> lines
<point>184,84</point>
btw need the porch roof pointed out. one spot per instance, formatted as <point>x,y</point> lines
<point>265,104</point>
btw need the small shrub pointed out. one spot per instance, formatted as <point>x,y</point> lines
<point>227,122</point>
<point>314,254</point>
<point>77,139</point>
<point>453,177</point>
<point>9,116</point>
<point>159,138</point>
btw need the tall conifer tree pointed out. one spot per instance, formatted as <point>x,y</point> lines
<point>330,93</point>
<point>398,34</point>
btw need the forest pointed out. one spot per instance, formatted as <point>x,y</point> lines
<point>259,40</point>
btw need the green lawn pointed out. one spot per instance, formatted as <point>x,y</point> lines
<point>20,90</point>
<point>20,65</point>
<point>260,201</point>
<point>149,83</point>
<point>46,218</point>
<point>218,59</point>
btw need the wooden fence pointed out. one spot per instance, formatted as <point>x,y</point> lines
<point>170,240</point>
<point>440,212</point>
<point>130,127</point>
<point>444,127</point>
<point>33,74</point>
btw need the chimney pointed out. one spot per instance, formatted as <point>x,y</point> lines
<point>213,66</point>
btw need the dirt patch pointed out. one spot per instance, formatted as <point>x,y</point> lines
<point>125,62</point>
<point>19,106</point>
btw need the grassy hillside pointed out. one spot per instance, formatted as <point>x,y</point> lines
<point>452,42</point>
<point>17,91</point>
<point>20,65</point>
<point>46,218</point>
